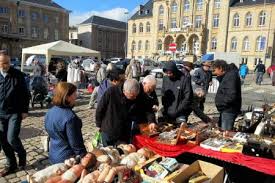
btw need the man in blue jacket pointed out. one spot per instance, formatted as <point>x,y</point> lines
<point>14,102</point>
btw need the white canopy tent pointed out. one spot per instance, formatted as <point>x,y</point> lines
<point>58,48</point>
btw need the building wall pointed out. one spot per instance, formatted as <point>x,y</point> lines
<point>51,24</point>
<point>252,55</point>
<point>206,33</point>
<point>109,41</point>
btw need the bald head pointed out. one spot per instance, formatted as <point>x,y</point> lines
<point>149,84</point>
<point>4,62</point>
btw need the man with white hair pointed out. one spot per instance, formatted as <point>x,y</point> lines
<point>148,101</point>
<point>115,111</point>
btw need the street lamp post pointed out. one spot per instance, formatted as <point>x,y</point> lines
<point>126,34</point>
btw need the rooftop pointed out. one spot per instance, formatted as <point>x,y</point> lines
<point>50,3</point>
<point>144,11</point>
<point>105,22</point>
<point>250,2</point>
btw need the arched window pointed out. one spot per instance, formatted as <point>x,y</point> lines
<point>134,28</point>
<point>147,45</point>
<point>262,18</point>
<point>260,43</point>
<point>161,10</point>
<point>236,20</point>
<point>246,44</point>
<point>141,27</point>
<point>148,27</point>
<point>139,45</point>
<point>186,5</point>
<point>214,43</point>
<point>234,44</point>
<point>133,45</point>
<point>174,7</point>
<point>248,19</point>
<point>159,44</point>
<point>199,4</point>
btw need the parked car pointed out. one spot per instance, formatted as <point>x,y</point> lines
<point>123,64</point>
<point>88,65</point>
<point>115,60</point>
<point>158,72</point>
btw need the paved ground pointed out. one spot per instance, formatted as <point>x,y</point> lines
<point>33,127</point>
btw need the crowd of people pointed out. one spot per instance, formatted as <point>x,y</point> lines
<point>123,102</point>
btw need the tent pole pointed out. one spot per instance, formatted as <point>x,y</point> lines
<point>23,61</point>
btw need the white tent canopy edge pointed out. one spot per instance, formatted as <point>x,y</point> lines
<point>58,48</point>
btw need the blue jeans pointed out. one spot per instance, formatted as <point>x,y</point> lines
<point>226,121</point>
<point>10,125</point>
<point>259,78</point>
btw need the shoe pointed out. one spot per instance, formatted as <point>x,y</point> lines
<point>7,171</point>
<point>22,163</point>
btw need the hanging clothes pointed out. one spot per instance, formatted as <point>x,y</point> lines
<point>74,74</point>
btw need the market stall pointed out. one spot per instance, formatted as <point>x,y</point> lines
<point>58,48</point>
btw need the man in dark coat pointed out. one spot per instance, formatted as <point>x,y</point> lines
<point>176,93</point>
<point>229,97</point>
<point>260,70</point>
<point>14,102</point>
<point>115,114</point>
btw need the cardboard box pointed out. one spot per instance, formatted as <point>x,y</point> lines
<point>167,179</point>
<point>214,172</point>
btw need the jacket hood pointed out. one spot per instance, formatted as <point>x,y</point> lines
<point>170,66</point>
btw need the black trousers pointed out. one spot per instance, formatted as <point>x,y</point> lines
<point>10,125</point>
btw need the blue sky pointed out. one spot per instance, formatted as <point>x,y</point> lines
<point>82,9</point>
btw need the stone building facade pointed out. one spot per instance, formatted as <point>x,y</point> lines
<point>102,34</point>
<point>202,26</point>
<point>28,23</point>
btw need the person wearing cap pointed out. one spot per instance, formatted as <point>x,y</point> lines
<point>202,78</point>
<point>187,67</point>
<point>176,93</point>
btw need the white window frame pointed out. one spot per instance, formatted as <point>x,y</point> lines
<point>5,28</point>
<point>246,44</point>
<point>160,25</point>
<point>236,20</point>
<point>262,18</point>
<point>214,43</point>
<point>140,27</point>
<point>260,43</point>
<point>186,5</point>
<point>198,21</point>
<point>173,23</point>
<point>217,4</point>
<point>134,28</point>
<point>174,7</point>
<point>216,20</point>
<point>199,5</point>
<point>234,44</point>
<point>148,27</point>
<point>34,32</point>
<point>161,10</point>
<point>46,33</point>
<point>248,19</point>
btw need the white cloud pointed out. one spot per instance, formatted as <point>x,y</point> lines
<point>115,13</point>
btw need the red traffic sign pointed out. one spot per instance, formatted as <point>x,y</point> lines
<point>173,47</point>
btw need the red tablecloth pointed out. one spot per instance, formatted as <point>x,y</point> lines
<point>263,165</point>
